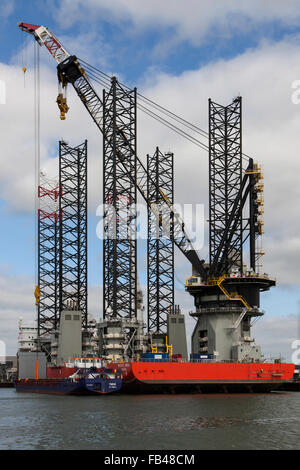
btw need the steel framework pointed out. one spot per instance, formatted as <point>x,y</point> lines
<point>73,227</point>
<point>119,196</point>
<point>48,195</point>
<point>71,71</point>
<point>225,183</point>
<point>231,190</point>
<point>256,218</point>
<point>160,245</point>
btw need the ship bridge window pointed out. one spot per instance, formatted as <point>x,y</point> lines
<point>76,317</point>
<point>68,317</point>
<point>202,333</point>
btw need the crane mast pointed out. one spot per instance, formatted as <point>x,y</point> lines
<point>70,71</point>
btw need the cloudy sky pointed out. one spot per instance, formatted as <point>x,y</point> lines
<point>178,53</point>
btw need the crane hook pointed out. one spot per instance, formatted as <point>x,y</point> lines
<point>62,105</point>
<point>24,70</point>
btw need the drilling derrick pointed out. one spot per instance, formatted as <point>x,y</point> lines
<point>119,195</point>
<point>225,179</point>
<point>73,228</point>
<point>160,245</point>
<point>47,289</point>
<point>228,300</point>
<point>121,331</point>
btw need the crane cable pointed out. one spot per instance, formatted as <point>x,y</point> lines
<point>143,98</point>
<point>23,58</point>
<point>36,159</point>
<point>105,80</point>
<point>157,117</point>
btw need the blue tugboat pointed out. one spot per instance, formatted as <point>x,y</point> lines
<point>98,382</point>
<point>82,382</point>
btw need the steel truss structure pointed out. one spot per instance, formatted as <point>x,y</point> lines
<point>225,180</point>
<point>120,197</point>
<point>231,189</point>
<point>48,195</point>
<point>73,227</point>
<point>160,245</point>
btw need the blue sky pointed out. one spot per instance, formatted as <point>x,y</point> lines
<point>167,54</point>
<point>128,59</point>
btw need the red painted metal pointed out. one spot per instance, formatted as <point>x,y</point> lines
<point>52,193</point>
<point>47,38</point>
<point>53,46</point>
<point>150,377</point>
<point>190,372</point>
<point>47,215</point>
<point>28,28</point>
<point>59,372</point>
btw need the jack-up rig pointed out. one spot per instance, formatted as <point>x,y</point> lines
<point>229,298</point>
<point>226,291</point>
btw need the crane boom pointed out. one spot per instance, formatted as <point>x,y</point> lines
<point>70,71</point>
<point>44,36</point>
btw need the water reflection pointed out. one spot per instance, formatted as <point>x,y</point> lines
<point>31,421</point>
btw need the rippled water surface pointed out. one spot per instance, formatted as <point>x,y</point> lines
<point>264,421</point>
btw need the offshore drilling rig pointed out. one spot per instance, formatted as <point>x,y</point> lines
<point>228,298</point>
<point>226,290</point>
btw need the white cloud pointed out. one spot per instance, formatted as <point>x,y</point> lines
<point>276,335</point>
<point>17,301</point>
<point>193,20</point>
<point>7,7</point>
<point>17,132</point>
<point>263,76</point>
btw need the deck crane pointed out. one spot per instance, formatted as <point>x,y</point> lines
<point>70,70</point>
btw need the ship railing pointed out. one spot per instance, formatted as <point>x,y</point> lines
<point>202,360</point>
<point>161,360</point>
<point>233,309</point>
<point>181,361</point>
<point>187,361</point>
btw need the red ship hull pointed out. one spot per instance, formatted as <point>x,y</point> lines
<point>190,377</point>
<point>59,372</point>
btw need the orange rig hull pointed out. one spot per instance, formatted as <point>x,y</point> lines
<point>213,377</point>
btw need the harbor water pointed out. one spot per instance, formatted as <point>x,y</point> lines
<point>148,422</point>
